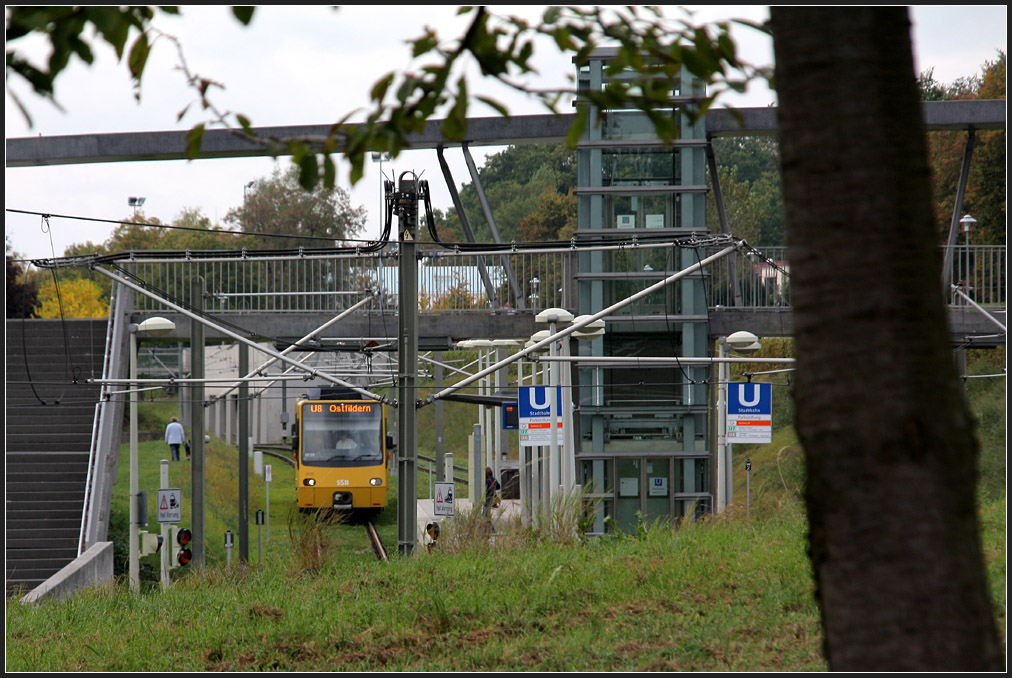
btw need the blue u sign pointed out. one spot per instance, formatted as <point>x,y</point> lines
<point>750,399</point>
<point>533,401</point>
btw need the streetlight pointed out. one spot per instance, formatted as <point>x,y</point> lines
<point>742,342</point>
<point>500,346</point>
<point>554,316</point>
<point>155,327</point>
<point>245,189</point>
<point>136,203</point>
<point>484,413</point>
<point>589,332</point>
<point>533,460</point>
<point>968,223</point>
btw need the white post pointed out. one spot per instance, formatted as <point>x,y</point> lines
<point>568,430</point>
<point>166,546</point>
<point>497,414</point>
<point>267,499</point>
<point>134,566</point>
<point>720,491</point>
<point>553,408</point>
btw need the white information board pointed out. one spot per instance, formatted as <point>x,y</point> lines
<point>442,501</point>
<point>170,505</point>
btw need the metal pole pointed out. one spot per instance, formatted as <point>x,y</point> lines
<point>748,489</point>
<point>518,299</point>
<point>407,353</point>
<point>568,427</point>
<point>166,546</point>
<point>260,537</point>
<point>267,499</point>
<point>477,477</point>
<point>440,451</point>
<point>134,565</point>
<point>721,424</point>
<point>957,209</point>
<point>979,308</point>
<point>197,426</point>
<point>553,410</point>
<point>243,458</point>
<point>718,197</point>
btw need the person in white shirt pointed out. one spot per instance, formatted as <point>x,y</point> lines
<point>174,436</point>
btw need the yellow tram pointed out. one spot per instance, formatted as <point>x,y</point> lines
<point>341,458</point>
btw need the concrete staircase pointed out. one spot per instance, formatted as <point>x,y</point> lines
<point>50,410</point>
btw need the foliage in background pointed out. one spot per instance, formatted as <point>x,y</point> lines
<point>529,189</point>
<point>278,205</point>
<point>987,186</point>
<point>749,173</point>
<point>74,298</point>
<point>21,295</point>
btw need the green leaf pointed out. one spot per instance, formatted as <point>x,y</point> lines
<point>244,122</point>
<point>424,44</point>
<point>194,138</point>
<point>379,90</point>
<point>329,172</point>
<point>500,108</point>
<point>578,127</point>
<point>243,14</point>
<point>139,57</point>
<point>309,173</point>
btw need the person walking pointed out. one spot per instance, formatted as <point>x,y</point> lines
<point>491,486</point>
<point>174,436</point>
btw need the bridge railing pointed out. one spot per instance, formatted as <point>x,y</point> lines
<point>762,282</point>
<point>451,282</point>
<point>981,273</point>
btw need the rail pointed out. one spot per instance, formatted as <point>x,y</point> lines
<point>452,282</point>
<point>93,450</point>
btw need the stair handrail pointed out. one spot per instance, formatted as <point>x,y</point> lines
<point>87,512</point>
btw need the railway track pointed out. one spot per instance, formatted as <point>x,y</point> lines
<point>374,539</point>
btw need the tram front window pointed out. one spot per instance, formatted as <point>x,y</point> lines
<point>342,434</point>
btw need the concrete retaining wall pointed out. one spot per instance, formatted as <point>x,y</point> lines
<point>92,568</point>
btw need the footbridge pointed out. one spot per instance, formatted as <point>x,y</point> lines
<point>282,298</point>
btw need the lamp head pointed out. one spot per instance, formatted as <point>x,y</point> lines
<point>553,315</point>
<point>156,327</point>
<point>741,340</point>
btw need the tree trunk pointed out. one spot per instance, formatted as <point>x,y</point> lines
<point>888,438</point>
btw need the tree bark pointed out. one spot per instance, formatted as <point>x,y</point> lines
<point>888,438</point>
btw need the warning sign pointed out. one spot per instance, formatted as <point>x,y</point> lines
<point>442,502</point>
<point>170,505</point>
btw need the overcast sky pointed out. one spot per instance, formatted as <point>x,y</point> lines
<point>312,65</point>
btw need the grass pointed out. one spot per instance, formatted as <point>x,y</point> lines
<point>719,596</point>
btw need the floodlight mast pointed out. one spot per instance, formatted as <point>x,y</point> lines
<point>403,203</point>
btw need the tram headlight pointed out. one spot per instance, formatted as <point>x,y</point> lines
<point>375,482</point>
<point>309,481</point>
